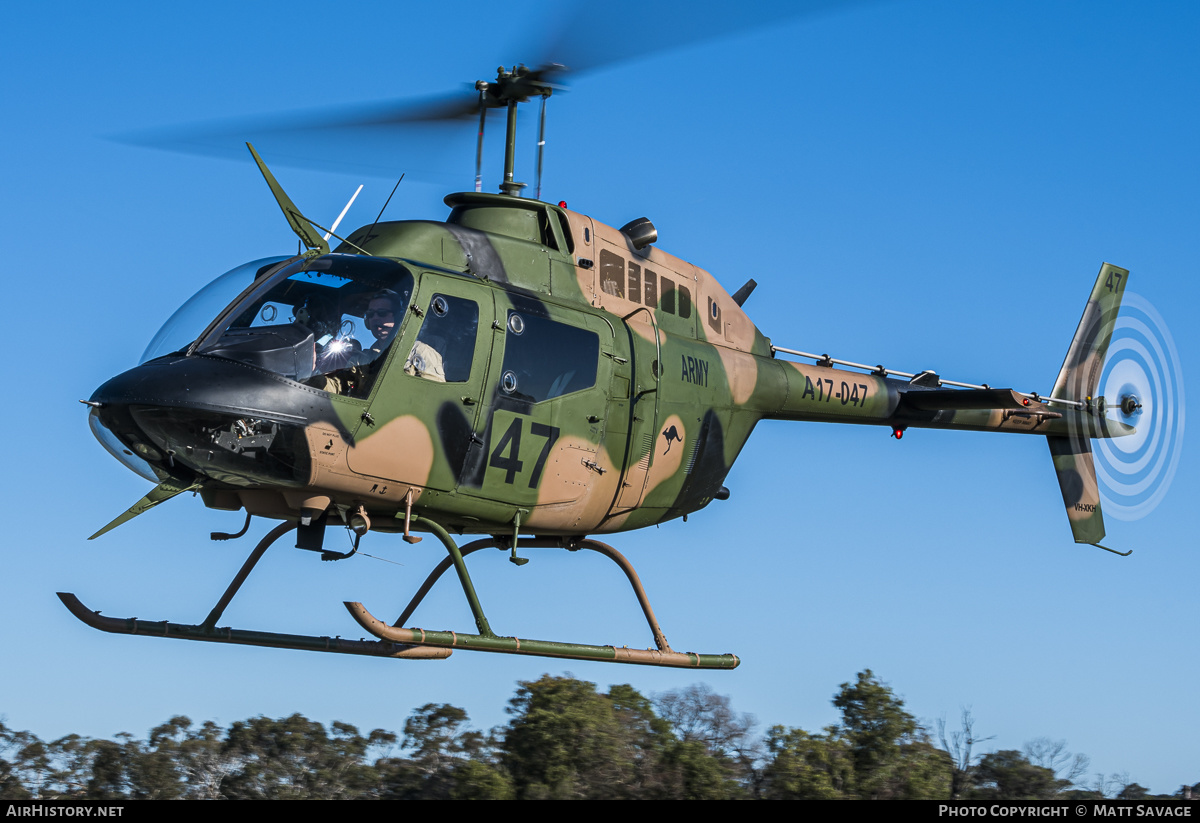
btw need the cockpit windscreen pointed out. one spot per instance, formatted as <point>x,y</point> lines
<point>326,317</point>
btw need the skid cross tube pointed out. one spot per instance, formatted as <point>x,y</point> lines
<point>547,543</point>
<point>488,641</point>
<point>274,534</point>
<point>209,632</point>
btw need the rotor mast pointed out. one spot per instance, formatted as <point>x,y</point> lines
<point>511,87</point>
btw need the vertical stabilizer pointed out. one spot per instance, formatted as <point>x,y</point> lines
<point>1076,472</point>
<point>1079,376</point>
<point>1079,380</point>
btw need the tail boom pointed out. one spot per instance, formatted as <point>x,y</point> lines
<point>1069,417</point>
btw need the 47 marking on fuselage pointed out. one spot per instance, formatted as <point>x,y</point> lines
<point>506,455</point>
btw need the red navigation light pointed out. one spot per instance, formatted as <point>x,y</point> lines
<point>897,432</point>
<point>562,204</point>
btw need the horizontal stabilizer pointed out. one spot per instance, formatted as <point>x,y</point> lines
<point>162,492</point>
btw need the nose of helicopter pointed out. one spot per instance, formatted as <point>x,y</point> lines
<point>208,417</point>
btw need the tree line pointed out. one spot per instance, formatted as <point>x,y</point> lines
<point>564,740</point>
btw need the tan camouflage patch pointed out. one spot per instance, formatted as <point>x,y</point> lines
<point>615,523</point>
<point>330,471</point>
<point>401,451</point>
<point>567,476</point>
<point>327,448</point>
<point>576,488</point>
<point>585,245</point>
<point>741,372</point>
<point>669,447</point>
<point>300,499</point>
<point>738,328</point>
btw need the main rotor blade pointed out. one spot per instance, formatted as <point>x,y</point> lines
<point>432,109</point>
<point>586,38</point>
<point>369,138</point>
<point>377,140</point>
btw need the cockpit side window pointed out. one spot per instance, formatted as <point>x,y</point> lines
<point>445,347</point>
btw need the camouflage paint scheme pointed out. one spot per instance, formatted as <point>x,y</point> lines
<point>682,378</point>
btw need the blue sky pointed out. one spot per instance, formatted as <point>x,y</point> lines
<point>923,184</point>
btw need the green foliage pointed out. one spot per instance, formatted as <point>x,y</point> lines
<point>11,785</point>
<point>807,767</point>
<point>891,753</point>
<point>1053,755</point>
<point>696,713</point>
<point>1008,775</point>
<point>564,740</point>
<point>294,759</point>
<point>109,772</point>
<point>448,760</point>
<point>921,772</point>
<point>475,780</point>
<point>874,722</point>
<point>649,745</point>
<point>712,755</point>
<point>1133,792</point>
<point>158,769</point>
<point>693,772</point>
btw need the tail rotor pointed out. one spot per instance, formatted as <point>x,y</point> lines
<point>1142,386</point>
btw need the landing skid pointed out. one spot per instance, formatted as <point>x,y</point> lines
<point>419,644</point>
<point>209,632</point>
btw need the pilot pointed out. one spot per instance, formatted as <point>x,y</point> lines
<point>382,321</point>
<point>333,351</point>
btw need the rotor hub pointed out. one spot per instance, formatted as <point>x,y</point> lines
<point>518,85</point>
<point>1130,405</point>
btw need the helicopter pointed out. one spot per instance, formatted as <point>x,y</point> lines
<point>537,377</point>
